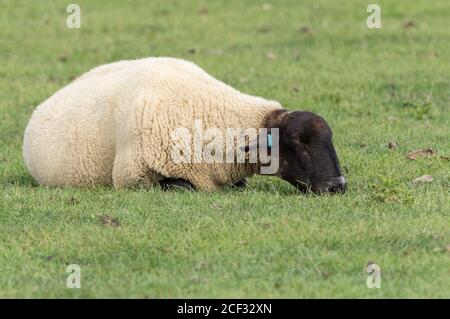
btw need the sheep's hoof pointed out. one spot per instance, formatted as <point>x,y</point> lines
<point>240,184</point>
<point>169,184</point>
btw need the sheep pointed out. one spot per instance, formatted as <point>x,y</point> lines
<point>113,126</point>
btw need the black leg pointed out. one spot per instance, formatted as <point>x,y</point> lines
<point>170,184</point>
<point>240,184</point>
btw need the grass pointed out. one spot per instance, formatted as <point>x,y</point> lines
<point>372,85</point>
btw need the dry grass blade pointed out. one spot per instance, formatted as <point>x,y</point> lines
<point>413,155</point>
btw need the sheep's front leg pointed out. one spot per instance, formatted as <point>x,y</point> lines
<point>240,184</point>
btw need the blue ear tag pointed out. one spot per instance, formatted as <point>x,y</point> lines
<point>269,140</point>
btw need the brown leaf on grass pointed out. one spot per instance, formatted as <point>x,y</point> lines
<point>420,153</point>
<point>434,54</point>
<point>392,145</point>
<point>325,274</point>
<point>63,57</point>
<point>166,250</point>
<point>305,29</point>
<point>203,12</point>
<point>271,56</point>
<point>407,251</point>
<point>408,24</point>
<point>423,179</point>
<point>109,221</point>
<point>264,30</point>
<point>295,88</point>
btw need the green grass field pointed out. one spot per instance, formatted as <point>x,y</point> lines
<point>374,86</point>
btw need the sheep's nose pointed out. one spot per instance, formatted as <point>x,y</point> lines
<point>337,185</point>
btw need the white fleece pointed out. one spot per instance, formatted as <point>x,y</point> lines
<point>112,125</point>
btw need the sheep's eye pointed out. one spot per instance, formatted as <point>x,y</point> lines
<point>303,140</point>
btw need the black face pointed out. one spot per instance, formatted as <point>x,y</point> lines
<point>307,156</point>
